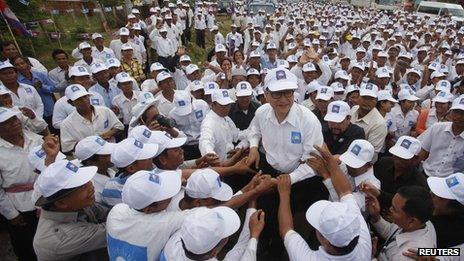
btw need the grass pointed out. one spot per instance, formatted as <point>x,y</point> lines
<point>70,27</point>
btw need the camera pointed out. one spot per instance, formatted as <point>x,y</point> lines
<point>165,121</point>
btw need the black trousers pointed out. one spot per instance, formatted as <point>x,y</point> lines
<point>191,152</point>
<point>22,236</point>
<point>303,195</point>
<point>200,38</point>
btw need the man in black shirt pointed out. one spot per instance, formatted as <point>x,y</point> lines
<point>243,111</point>
<point>340,131</point>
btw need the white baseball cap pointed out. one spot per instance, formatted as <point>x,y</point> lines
<point>62,174</point>
<point>252,71</point>
<point>75,91</point>
<point>255,54</point>
<point>369,89</point>
<point>406,147</point>
<point>342,74</point>
<point>451,187</point>
<point>191,68</point>
<point>283,64</point>
<point>351,88</point>
<point>337,111</point>
<point>458,103</point>
<point>220,48</point>
<point>135,11</point>
<point>414,70</point>
<point>243,89</point>
<point>222,97</point>
<point>139,109</point>
<point>136,26</point>
<point>205,227</point>
<point>78,71</point>
<point>156,67</point>
<point>126,47</point>
<point>358,154</point>
<point>98,67</point>
<point>280,79</point>
<point>92,145</point>
<point>162,76</point>
<point>131,16</point>
<point>384,95</point>
<point>145,96</point>
<point>182,103</point>
<point>6,114</point>
<point>206,183</point>
<point>37,155</point>
<point>309,67</point>
<point>5,64</point>
<point>325,93</point>
<point>84,45</point>
<point>123,77</point>
<point>214,28</point>
<point>271,46</point>
<point>406,94</point>
<point>130,150</point>
<point>337,87</point>
<point>195,85</point>
<point>113,62</point>
<point>210,87</point>
<point>292,59</point>
<point>144,188</point>
<point>443,85</point>
<point>166,141</point>
<point>123,31</point>
<point>444,97</point>
<point>185,58</point>
<point>335,221</point>
<point>437,74</point>
<point>163,30</point>
<point>313,87</point>
<point>96,35</point>
<point>382,54</point>
<point>382,72</point>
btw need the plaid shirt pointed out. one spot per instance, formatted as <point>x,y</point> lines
<point>133,68</point>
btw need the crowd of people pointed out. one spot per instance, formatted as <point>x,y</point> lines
<point>320,131</point>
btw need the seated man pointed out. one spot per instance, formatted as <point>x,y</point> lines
<point>71,225</point>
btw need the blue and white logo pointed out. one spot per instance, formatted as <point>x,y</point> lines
<point>296,137</point>
<point>225,94</point>
<point>138,144</point>
<point>75,88</point>
<point>81,69</point>
<point>405,144</point>
<point>336,109</point>
<point>154,178</point>
<point>451,182</point>
<point>100,141</point>
<point>40,153</point>
<point>199,114</point>
<point>95,102</point>
<point>146,133</point>
<point>356,150</point>
<point>72,167</point>
<point>280,75</point>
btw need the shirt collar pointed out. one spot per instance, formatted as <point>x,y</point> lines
<point>6,144</point>
<point>291,117</point>
<point>403,238</point>
<point>450,130</point>
<point>368,118</point>
<point>369,174</point>
<point>65,217</point>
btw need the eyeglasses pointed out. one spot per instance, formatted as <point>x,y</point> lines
<point>279,94</point>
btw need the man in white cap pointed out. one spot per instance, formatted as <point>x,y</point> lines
<point>325,95</point>
<point>71,225</point>
<point>405,116</point>
<point>233,39</point>
<point>218,131</point>
<point>444,157</point>
<point>116,44</point>
<point>150,85</point>
<point>340,132</point>
<point>86,120</point>
<point>103,86</point>
<point>164,100</point>
<point>437,113</point>
<point>340,227</point>
<point>189,114</point>
<point>87,59</point>
<point>22,94</point>
<point>243,110</point>
<point>95,151</point>
<point>197,241</point>
<point>129,156</point>
<point>299,130</point>
<point>366,116</point>
<point>126,100</point>
<point>139,227</point>
<point>200,27</point>
<point>10,52</point>
<point>100,51</point>
<point>131,64</point>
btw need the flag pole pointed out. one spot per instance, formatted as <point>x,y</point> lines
<point>12,35</point>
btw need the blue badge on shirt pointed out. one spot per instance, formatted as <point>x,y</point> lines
<point>296,137</point>
<point>72,167</point>
<point>411,123</point>
<point>105,125</point>
<point>146,133</point>
<point>405,144</point>
<point>198,114</point>
<point>356,150</point>
<point>138,144</point>
<point>28,90</point>
<point>280,75</point>
<point>451,182</point>
<point>154,178</point>
<point>181,103</point>
<point>100,141</point>
<point>389,123</point>
<point>336,109</point>
<point>40,153</point>
<point>95,101</point>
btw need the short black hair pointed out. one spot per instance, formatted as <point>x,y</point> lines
<point>59,51</point>
<point>418,202</point>
<point>156,160</point>
<point>347,249</point>
<point>7,43</point>
<point>93,158</point>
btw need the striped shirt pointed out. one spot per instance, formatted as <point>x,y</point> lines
<point>111,194</point>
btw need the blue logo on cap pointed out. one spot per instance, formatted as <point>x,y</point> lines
<point>199,114</point>
<point>369,86</point>
<point>72,167</point>
<point>405,144</point>
<point>211,86</point>
<point>98,65</point>
<point>105,125</point>
<point>154,178</point>
<point>296,137</point>
<point>336,109</point>
<point>75,88</point>
<point>281,75</point>
<point>461,101</point>
<point>28,90</point>
<point>181,103</point>
<point>219,182</point>
<point>356,150</point>
<point>443,84</point>
<point>40,153</point>
<point>441,94</point>
<point>243,86</point>
<point>323,90</point>
<point>147,96</point>
<point>95,102</point>
<point>81,69</point>
<point>451,182</point>
<point>225,94</point>
<point>146,133</point>
<point>100,141</point>
<point>138,144</point>
<point>168,135</point>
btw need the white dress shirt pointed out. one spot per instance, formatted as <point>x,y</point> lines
<point>288,143</point>
<point>374,127</point>
<point>87,66</point>
<point>163,105</point>
<point>446,151</point>
<point>298,249</point>
<point>125,106</point>
<point>191,124</point>
<point>398,241</point>
<point>404,123</point>
<point>165,47</point>
<point>75,127</point>
<point>134,235</point>
<point>218,135</point>
<point>63,108</point>
<point>16,170</point>
<point>28,97</point>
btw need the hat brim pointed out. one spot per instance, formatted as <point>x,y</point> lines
<point>136,118</point>
<point>334,117</point>
<point>79,95</point>
<point>351,161</point>
<point>313,214</point>
<point>232,220</point>
<point>243,93</point>
<point>150,150</point>
<point>282,86</point>
<point>438,187</point>
<point>401,152</point>
<point>224,193</point>
<point>184,110</point>
<point>411,98</point>
<point>225,101</point>
<point>176,143</point>
<point>173,182</point>
<point>323,97</point>
<point>367,93</point>
<point>107,149</point>
<point>457,107</point>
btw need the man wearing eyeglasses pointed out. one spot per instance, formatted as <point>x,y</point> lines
<point>288,132</point>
